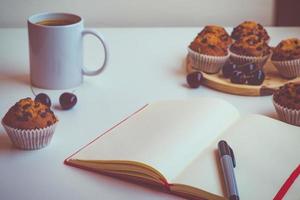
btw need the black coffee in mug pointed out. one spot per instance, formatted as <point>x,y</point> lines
<point>56,22</point>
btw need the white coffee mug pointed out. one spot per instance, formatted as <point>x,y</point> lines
<point>56,50</point>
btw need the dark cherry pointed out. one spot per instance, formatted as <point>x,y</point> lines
<point>248,68</point>
<point>67,100</point>
<point>43,98</point>
<point>228,69</point>
<point>238,77</point>
<point>256,78</point>
<point>194,79</point>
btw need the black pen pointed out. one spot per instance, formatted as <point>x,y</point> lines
<point>228,163</point>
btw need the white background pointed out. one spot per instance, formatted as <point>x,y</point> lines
<point>141,13</point>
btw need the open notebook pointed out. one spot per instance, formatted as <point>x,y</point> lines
<point>173,144</point>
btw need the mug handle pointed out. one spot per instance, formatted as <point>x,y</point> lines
<point>97,71</point>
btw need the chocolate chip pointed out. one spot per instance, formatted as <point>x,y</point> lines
<point>49,123</point>
<point>26,106</point>
<point>28,114</point>
<point>224,37</point>
<point>204,40</point>
<point>36,105</point>
<point>211,46</point>
<point>24,117</point>
<point>43,114</point>
<point>258,48</point>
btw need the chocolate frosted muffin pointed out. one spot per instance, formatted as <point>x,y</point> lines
<point>218,31</point>
<point>250,28</point>
<point>251,45</point>
<point>28,114</point>
<point>209,44</point>
<point>287,103</point>
<point>288,49</point>
<point>29,124</point>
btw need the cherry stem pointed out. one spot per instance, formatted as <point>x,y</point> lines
<point>32,90</point>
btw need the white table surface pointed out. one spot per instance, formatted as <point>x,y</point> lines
<point>146,64</point>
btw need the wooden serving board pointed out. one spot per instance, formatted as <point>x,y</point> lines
<point>217,81</point>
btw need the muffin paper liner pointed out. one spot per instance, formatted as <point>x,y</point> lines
<point>30,139</point>
<point>291,116</point>
<point>288,69</point>
<point>240,59</point>
<point>206,63</point>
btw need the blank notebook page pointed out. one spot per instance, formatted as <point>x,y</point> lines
<point>266,153</point>
<point>167,135</point>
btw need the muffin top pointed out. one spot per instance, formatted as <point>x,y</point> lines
<point>288,96</point>
<point>209,44</point>
<point>29,114</point>
<point>218,31</point>
<point>288,49</point>
<point>251,45</point>
<point>249,28</point>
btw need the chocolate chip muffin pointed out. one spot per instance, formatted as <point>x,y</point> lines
<point>287,103</point>
<point>250,28</point>
<point>288,49</point>
<point>28,114</point>
<point>29,124</point>
<point>286,58</point>
<point>251,45</point>
<point>208,53</point>
<point>218,31</point>
<point>209,44</point>
<point>288,96</point>
<point>250,49</point>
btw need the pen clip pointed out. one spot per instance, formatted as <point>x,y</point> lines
<point>232,156</point>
